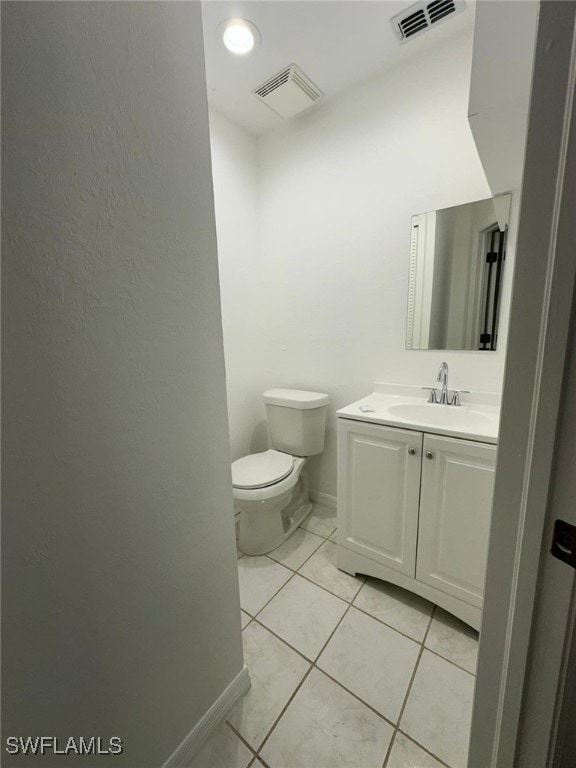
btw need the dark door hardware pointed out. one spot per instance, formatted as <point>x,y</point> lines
<point>494,258</point>
<point>564,542</point>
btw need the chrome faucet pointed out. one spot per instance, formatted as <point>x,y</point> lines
<point>444,396</point>
<point>443,377</point>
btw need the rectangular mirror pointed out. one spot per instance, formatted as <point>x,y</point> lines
<point>457,260</point>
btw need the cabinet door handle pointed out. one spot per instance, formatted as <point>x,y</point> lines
<point>429,455</point>
<point>412,451</point>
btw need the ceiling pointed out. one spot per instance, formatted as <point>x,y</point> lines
<point>337,43</point>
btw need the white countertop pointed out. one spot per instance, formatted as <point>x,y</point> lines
<point>407,406</point>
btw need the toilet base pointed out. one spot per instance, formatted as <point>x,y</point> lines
<point>263,528</point>
<point>296,520</point>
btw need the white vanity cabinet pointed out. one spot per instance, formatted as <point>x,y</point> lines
<point>414,509</point>
<point>378,492</point>
<point>455,508</point>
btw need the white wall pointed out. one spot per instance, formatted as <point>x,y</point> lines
<point>235,169</point>
<point>120,594</point>
<point>338,187</point>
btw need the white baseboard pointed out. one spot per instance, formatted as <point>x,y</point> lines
<point>185,753</point>
<point>323,498</point>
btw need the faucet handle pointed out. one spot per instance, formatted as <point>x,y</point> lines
<point>433,398</point>
<point>455,400</point>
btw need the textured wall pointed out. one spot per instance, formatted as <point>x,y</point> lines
<point>120,596</point>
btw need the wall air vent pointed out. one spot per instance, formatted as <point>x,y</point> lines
<point>288,92</point>
<point>422,16</point>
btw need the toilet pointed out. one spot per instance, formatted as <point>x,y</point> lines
<point>270,489</point>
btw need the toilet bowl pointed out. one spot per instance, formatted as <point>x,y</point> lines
<point>270,488</point>
<point>270,513</point>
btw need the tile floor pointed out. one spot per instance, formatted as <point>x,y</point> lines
<point>346,672</point>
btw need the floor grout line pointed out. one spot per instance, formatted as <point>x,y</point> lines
<point>326,538</point>
<point>314,662</point>
<point>311,581</point>
<point>293,573</point>
<point>332,634</point>
<point>322,542</point>
<point>439,655</point>
<point>352,604</point>
<point>282,640</point>
<point>422,747</point>
<point>293,648</point>
<point>263,762</point>
<point>390,626</point>
<point>333,594</point>
<point>398,728</point>
<point>419,642</point>
<point>355,695</point>
<point>284,708</point>
<point>237,733</point>
<point>403,707</point>
<point>315,552</point>
<point>258,612</point>
<point>312,666</point>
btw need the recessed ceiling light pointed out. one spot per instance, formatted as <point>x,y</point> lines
<point>239,36</point>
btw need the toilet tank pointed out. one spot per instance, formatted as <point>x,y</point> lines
<point>296,420</point>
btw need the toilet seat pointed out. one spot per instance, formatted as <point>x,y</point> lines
<point>260,470</point>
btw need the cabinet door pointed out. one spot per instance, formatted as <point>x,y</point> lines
<point>378,490</point>
<point>455,512</point>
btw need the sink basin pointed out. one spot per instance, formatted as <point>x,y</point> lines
<point>403,406</point>
<point>440,415</point>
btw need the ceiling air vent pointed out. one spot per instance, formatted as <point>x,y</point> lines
<point>288,92</point>
<point>422,16</point>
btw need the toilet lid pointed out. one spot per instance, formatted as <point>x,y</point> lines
<point>261,469</point>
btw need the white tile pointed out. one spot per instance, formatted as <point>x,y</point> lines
<point>453,640</point>
<point>406,754</point>
<point>275,672</point>
<point>439,709</point>
<point>334,536</point>
<point>304,615</point>
<point>322,570</point>
<point>245,619</point>
<point>322,520</point>
<point>223,750</point>
<point>260,578</point>
<point>371,660</point>
<point>396,607</point>
<point>296,549</point>
<point>324,727</point>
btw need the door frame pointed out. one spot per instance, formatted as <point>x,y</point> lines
<point>540,322</point>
